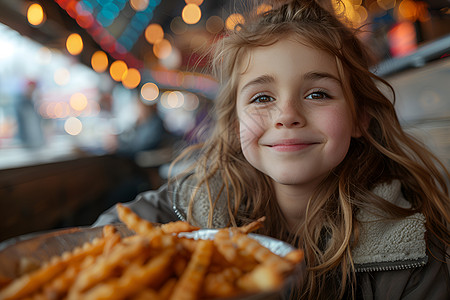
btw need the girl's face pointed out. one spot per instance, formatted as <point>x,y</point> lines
<point>295,124</point>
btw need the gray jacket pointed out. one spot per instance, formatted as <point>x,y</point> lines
<point>392,258</point>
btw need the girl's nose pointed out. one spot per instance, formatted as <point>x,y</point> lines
<point>289,114</point>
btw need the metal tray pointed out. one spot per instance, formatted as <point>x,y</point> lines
<point>36,248</point>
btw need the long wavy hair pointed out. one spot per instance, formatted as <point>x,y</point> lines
<point>383,152</point>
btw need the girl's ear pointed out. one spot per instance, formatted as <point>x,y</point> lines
<point>362,124</point>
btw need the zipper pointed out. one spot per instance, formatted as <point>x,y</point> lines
<point>174,202</point>
<point>178,213</point>
<point>392,266</point>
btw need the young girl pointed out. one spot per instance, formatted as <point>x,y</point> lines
<point>305,137</point>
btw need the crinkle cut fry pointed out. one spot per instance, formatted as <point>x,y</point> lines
<point>221,284</point>
<point>105,264</point>
<point>58,288</point>
<point>263,277</point>
<point>225,245</point>
<point>188,286</point>
<point>31,282</point>
<point>134,279</point>
<point>262,254</point>
<point>255,225</point>
<point>133,221</point>
<point>177,227</point>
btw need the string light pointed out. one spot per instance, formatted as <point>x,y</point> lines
<point>233,20</point>
<point>131,78</point>
<point>162,49</point>
<point>35,14</point>
<point>99,61</point>
<point>117,69</point>
<point>154,33</point>
<point>191,14</point>
<point>74,44</point>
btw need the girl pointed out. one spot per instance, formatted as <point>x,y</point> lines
<point>305,137</point>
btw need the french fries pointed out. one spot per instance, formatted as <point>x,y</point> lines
<point>156,263</point>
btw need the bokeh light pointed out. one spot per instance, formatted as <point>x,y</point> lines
<point>171,100</point>
<point>73,126</point>
<point>191,102</point>
<point>61,76</point>
<point>74,44</point>
<point>150,91</point>
<point>162,49</point>
<point>99,61</point>
<point>196,2</point>
<point>214,24</point>
<point>233,20</point>
<point>178,26</point>
<point>154,33</point>
<point>191,14</point>
<point>35,14</point>
<point>131,78</point>
<point>139,5</point>
<point>262,8</point>
<point>117,69</point>
<point>78,101</point>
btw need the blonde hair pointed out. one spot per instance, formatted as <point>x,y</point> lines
<point>384,152</point>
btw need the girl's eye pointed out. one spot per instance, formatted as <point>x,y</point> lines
<point>318,95</point>
<point>261,99</point>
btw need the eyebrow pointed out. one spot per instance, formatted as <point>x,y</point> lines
<point>265,79</point>
<point>320,75</point>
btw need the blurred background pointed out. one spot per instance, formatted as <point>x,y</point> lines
<point>98,96</point>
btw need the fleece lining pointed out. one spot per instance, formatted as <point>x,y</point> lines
<point>385,240</point>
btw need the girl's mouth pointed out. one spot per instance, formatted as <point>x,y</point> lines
<point>290,145</point>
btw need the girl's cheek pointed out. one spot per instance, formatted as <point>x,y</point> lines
<point>249,131</point>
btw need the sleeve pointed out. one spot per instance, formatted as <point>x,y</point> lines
<point>154,206</point>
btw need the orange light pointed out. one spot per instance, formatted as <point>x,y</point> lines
<point>117,69</point>
<point>196,2</point>
<point>154,33</point>
<point>233,20</point>
<point>35,14</point>
<point>78,101</point>
<point>139,5</point>
<point>263,8</point>
<point>131,78</point>
<point>99,61</point>
<point>162,49</point>
<point>74,44</point>
<point>191,13</point>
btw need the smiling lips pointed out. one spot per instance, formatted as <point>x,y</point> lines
<point>290,145</point>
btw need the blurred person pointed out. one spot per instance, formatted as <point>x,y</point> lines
<point>29,122</point>
<point>148,132</point>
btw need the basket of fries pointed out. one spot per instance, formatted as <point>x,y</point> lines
<point>138,259</point>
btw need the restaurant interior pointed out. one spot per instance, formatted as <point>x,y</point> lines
<point>78,78</point>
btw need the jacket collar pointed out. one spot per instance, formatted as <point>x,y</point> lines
<point>386,243</point>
